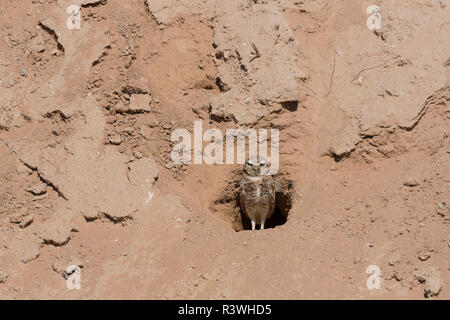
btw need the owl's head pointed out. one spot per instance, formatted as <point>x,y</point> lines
<point>255,167</point>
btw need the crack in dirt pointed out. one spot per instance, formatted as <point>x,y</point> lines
<point>52,242</point>
<point>53,34</point>
<point>104,216</point>
<point>45,180</point>
<point>434,99</point>
<point>94,3</point>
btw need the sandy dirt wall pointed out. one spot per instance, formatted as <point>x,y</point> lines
<point>87,179</point>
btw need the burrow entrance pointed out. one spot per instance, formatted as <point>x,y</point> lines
<point>229,207</point>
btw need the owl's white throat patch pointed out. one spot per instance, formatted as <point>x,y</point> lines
<point>253,178</point>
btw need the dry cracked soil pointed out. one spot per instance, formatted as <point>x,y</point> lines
<point>87,115</point>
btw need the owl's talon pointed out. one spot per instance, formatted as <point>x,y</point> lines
<point>253,225</point>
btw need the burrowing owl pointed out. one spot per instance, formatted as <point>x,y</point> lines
<point>257,192</point>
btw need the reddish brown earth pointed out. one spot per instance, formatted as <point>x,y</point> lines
<point>86,176</point>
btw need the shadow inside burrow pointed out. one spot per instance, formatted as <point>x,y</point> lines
<point>277,219</point>
<point>290,105</point>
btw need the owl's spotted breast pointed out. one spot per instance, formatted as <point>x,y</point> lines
<point>259,187</point>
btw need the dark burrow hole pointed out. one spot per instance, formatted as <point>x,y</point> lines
<point>278,219</point>
<point>230,207</point>
<point>290,105</point>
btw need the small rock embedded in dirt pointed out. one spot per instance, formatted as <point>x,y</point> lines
<point>139,103</point>
<point>115,140</point>
<point>136,88</point>
<point>15,219</point>
<point>442,209</point>
<point>22,169</point>
<point>424,256</point>
<point>24,73</point>
<point>26,221</point>
<point>60,266</point>
<point>128,130</point>
<point>420,279</point>
<point>432,287</point>
<point>3,277</point>
<point>168,165</point>
<point>411,182</point>
<point>153,124</point>
<point>56,235</point>
<point>143,172</point>
<point>137,154</point>
<point>398,276</point>
<point>37,189</point>
<point>392,262</point>
<point>387,150</point>
<point>30,253</point>
<point>37,44</point>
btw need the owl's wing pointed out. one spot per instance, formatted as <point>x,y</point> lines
<point>271,189</point>
<point>269,185</point>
